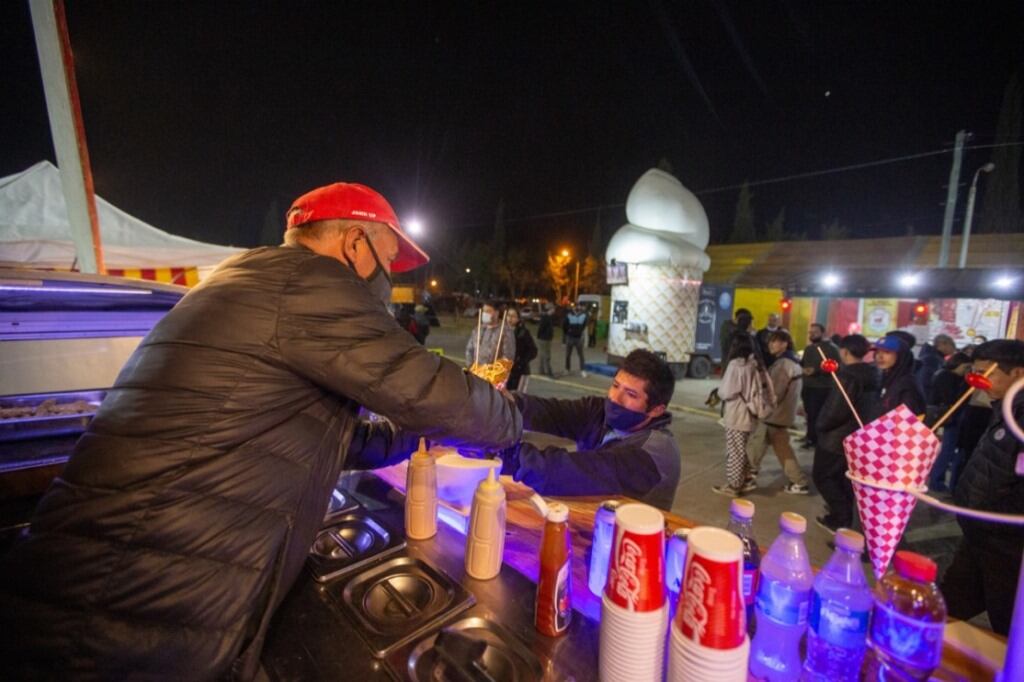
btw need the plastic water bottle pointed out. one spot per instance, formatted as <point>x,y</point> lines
<point>781,606</point>
<point>907,622</point>
<point>840,608</point>
<point>741,522</point>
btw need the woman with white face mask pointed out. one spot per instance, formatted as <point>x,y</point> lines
<point>489,331</point>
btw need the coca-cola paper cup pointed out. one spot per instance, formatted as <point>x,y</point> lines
<point>636,569</point>
<point>711,612</point>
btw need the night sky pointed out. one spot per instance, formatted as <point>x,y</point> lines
<point>205,118</point>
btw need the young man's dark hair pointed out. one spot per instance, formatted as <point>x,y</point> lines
<point>856,345</point>
<point>782,335</point>
<point>742,346</point>
<point>655,371</point>
<point>957,359</point>
<point>820,327</point>
<point>1004,352</point>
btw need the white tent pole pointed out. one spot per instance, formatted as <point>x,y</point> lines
<point>65,113</point>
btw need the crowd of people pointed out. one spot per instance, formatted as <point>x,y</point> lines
<point>976,463</point>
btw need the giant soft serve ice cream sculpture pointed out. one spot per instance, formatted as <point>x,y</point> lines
<point>663,246</point>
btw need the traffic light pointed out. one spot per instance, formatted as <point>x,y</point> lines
<point>785,304</point>
<point>921,309</point>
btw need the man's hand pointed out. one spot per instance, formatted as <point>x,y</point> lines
<point>808,371</point>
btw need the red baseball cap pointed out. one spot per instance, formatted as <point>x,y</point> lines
<point>352,201</point>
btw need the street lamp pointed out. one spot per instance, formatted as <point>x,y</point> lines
<point>987,168</point>
<point>576,288</point>
<point>433,283</point>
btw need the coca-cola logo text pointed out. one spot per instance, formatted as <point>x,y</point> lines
<point>626,575</point>
<point>694,614</point>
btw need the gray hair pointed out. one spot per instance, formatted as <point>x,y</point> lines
<point>328,229</point>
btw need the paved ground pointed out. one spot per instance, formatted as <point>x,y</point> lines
<point>701,440</point>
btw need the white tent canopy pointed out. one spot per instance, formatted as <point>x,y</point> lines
<point>34,230</point>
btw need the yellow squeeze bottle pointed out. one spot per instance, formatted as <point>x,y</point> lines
<point>421,495</point>
<point>485,539</point>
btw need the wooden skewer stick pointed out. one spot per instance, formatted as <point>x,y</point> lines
<point>842,390</point>
<point>500,332</point>
<point>479,321</point>
<point>958,403</point>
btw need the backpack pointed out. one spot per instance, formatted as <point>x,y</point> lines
<point>762,395</point>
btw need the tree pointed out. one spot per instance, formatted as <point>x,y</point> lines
<point>556,274</point>
<point>593,276</point>
<point>743,229</point>
<point>516,273</point>
<point>775,231</point>
<point>1000,209</point>
<point>833,230</point>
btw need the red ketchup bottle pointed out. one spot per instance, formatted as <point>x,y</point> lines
<point>553,609</point>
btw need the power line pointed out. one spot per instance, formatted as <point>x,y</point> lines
<point>769,181</point>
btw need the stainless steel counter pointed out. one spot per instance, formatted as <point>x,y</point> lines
<point>310,639</point>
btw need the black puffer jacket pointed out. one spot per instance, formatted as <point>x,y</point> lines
<point>988,482</point>
<point>644,464</point>
<point>862,382</point>
<point>188,508</point>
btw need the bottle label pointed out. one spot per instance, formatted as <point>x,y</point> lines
<point>915,642</point>
<point>776,600</point>
<point>837,624</point>
<point>750,576</point>
<point>563,598</point>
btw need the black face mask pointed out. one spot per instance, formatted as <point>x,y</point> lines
<point>621,418</point>
<point>379,280</point>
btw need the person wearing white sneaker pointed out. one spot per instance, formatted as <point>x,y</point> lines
<point>787,377</point>
<point>736,391</point>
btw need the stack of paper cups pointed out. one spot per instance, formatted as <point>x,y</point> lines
<point>634,611</point>
<point>708,639</point>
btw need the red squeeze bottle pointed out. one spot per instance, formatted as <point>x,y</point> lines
<point>553,609</point>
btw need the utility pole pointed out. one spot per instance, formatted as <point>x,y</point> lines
<point>577,298</point>
<point>951,195</point>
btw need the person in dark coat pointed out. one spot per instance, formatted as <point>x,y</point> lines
<point>526,349</point>
<point>863,383</point>
<point>188,508</point>
<point>743,321</point>
<point>817,383</point>
<point>931,359</point>
<point>545,333</point>
<point>946,389</point>
<point>764,334</point>
<point>623,442</point>
<point>983,575</point>
<point>896,361</point>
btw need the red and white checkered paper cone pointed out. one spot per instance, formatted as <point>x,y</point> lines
<point>897,450</point>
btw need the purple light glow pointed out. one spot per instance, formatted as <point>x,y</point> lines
<point>76,290</point>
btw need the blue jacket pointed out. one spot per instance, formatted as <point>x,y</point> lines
<point>641,464</point>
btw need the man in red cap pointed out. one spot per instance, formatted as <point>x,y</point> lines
<point>188,507</point>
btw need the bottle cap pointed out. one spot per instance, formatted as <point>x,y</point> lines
<point>491,483</point>
<point>557,512</point>
<point>792,522</point>
<point>742,508</point>
<point>916,567</point>
<point>421,452</point>
<point>850,540</point>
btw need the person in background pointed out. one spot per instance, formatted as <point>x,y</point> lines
<point>526,349</point>
<point>817,383</point>
<point>930,359</point>
<point>422,321</point>
<point>742,321</point>
<point>863,384</point>
<point>592,329</point>
<point>545,333</point>
<point>786,375</point>
<point>188,507</point>
<point>899,386</point>
<point>736,391</point>
<point>983,575</point>
<point>762,338</point>
<point>490,332</point>
<point>575,326</point>
<point>623,442</point>
<point>946,388</point>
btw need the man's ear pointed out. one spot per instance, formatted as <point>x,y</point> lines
<point>656,411</point>
<point>349,239</point>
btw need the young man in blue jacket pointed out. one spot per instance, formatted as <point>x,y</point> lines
<point>623,443</point>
